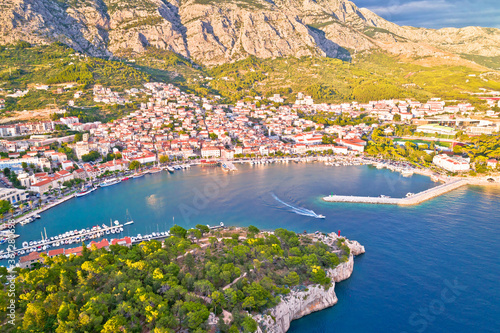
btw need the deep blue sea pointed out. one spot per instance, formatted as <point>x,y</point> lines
<point>428,268</point>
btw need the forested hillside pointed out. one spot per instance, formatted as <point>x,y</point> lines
<point>172,285</point>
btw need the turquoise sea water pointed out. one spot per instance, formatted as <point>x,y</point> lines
<point>428,268</point>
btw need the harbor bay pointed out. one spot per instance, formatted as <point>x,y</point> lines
<point>409,249</point>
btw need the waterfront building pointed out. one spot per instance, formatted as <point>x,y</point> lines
<point>451,163</point>
<point>492,163</point>
<point>27,261</point>
<point>13,195</point>
<point>207,152</point>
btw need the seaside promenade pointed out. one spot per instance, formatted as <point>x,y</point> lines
<point>414,199</point>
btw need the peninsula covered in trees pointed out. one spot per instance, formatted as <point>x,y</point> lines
<point>193,281</point>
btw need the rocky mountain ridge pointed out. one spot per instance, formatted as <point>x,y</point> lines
<point>214,32</point>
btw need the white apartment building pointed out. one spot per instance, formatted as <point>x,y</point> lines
<point>452,164</point>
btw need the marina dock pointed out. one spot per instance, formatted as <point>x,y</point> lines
<point>414,199</point>
<point>94,233</point>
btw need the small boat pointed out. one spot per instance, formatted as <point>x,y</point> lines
<point>25,244</point>
<point>170,169</point>
<point>137,175</point>
<point>320,216</point>
<point>128,218</point>
<point>37,216</point>
<point>125,178</point>
<point>85,192</point>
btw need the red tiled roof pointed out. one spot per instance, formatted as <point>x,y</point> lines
<point>101,244</point>
<point>43,182</point>
<point>125,240</point>
<point>76,251</point>
<point>30,257</point>
<point>55,252</point>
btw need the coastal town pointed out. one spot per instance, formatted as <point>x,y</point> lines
<point>176,127</point>
<point>220,166</point>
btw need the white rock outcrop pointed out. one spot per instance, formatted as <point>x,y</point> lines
<point>299,303</point>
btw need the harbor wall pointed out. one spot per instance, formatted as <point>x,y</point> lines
<point>412,200</point>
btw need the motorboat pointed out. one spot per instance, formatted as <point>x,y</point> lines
<point>320,216</point>
<point>85,192</point>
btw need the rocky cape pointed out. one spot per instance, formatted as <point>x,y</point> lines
<point>301,302</point>
<point>215,32</point>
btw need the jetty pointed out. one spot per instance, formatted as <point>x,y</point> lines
<point>413,199</point>
<point>228,166</point>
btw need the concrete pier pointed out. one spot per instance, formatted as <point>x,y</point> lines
<point>412,200</point>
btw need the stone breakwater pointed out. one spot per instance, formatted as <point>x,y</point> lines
<point>301,302</point>
<point>414,199</point>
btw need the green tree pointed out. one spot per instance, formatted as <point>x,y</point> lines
<point>90,157</point>
<point>164,159</point>
<point>195,233</point>
<point>292,279</point>
<point>203,228</point>
<point>5,206</point>
<point>253,229</point>
<point>115,324</point>
<point>249,325</point>
<point>78,137</point>
<point>178,231</point>
<point>134,165</point>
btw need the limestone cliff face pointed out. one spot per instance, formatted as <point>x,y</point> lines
<point>215,32</point>
<point>299,303</point>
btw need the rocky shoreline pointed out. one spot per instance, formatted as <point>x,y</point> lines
<point>301,302</point>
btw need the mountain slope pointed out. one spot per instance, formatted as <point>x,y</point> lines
<point>215,32</point>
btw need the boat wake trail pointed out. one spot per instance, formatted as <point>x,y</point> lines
<point>298,210</point>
